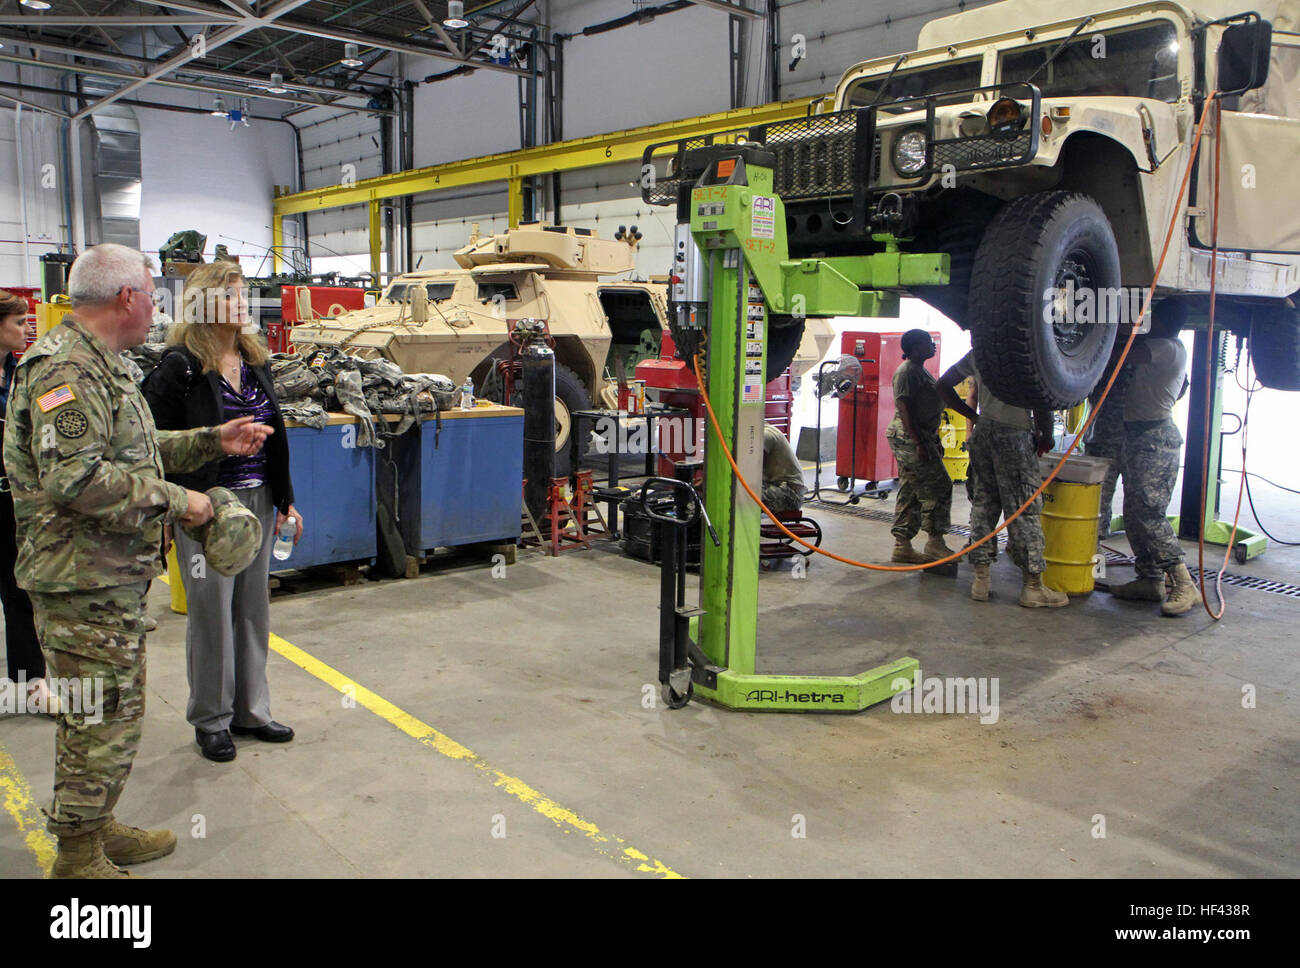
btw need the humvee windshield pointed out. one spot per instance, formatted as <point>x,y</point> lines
<point>398,291</point>
<point>1134,62</point>
<point>917,82</point>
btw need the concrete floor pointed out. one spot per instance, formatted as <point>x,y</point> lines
<point>1106,708</point>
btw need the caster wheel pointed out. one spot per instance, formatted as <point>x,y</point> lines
<point>1239,554</point>
<point>673,700</point>
<point>842,483</point>
<point>855,499</point>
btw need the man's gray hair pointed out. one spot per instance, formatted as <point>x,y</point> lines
<point>101,271</point>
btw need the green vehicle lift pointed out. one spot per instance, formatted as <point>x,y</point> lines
<point>738,223</point>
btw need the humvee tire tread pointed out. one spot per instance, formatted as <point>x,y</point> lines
<point>782,344</point>
<point>1005,309</point>
<point>1275,346</point>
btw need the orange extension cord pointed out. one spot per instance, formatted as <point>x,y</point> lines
<point>1146,305</point>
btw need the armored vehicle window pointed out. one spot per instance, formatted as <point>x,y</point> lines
<point>490,290</point>
<point>398,291</point>
<point>1141,62</point>
<point>917,82</point>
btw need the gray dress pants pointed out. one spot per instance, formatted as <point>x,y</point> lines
<point>228,634</point>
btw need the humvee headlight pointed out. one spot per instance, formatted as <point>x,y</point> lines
<point>909,153</point>
<point>1006,117</point>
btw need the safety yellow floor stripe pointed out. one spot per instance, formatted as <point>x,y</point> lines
<point>20,803</point>
<point>607,844</point>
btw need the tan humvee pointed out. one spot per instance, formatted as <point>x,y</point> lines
<point>1053,197</point>
<point>456,321</point>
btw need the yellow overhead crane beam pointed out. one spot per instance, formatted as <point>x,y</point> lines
<point>513,167</point>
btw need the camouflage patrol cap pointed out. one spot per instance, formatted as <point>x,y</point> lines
<point>232,539</point>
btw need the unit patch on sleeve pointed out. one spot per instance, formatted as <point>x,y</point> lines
<point>71,423</point>
<point>56,398</point>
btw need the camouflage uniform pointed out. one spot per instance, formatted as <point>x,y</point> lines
<point>1003,473</point>
<point>1106,439</point>
<point>924,501</point>
<point>1152,449</point>
<point>86,465</point>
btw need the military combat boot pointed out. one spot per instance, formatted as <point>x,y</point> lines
<point>1035,594</point>
<point>979,588</point>
<point>905,554</point>
<point>82,858</point>
<point>130,845</point>
<point>936,548</point>
<point>1140,590</point>
<point>1185,596</point>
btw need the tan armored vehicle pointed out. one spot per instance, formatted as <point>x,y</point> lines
<point>1041,144</point>
<point>456,321</point>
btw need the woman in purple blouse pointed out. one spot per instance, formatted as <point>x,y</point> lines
<point>214,371</point>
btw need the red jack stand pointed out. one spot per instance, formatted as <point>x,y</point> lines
<point>559,523</point>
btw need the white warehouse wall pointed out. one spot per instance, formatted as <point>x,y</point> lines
<point>43,190</point>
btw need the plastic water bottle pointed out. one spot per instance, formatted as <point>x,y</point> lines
<point>283,546</point>
<point>467,394</point>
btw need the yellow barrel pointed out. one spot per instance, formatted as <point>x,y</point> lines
<point>174,578</point>
<point>1070,535</point>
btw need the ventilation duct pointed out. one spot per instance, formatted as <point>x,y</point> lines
<point>115,182</point>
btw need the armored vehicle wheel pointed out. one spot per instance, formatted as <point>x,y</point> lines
<point>1275,346</point>
<point>1043,299</point>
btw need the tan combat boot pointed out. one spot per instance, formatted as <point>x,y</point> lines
<point>905,554</point>
<point>1140,590</point>
<point>1035,594</point>
<point>125,845</point>
<point>937,548</point>
<point>979,588</point>
<point>1185,596</point>
<point>82,858</point>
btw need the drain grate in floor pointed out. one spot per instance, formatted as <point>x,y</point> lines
<point>1252,582</point>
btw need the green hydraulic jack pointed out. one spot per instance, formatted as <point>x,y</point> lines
<point>737,233</point>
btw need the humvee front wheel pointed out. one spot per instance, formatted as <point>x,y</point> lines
<point>1044,297</point>
<point>1275,346</point>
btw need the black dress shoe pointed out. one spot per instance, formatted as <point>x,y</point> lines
<point>218,747</point>
<point>272,732</point>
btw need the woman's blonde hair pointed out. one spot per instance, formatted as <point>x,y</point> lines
<point>203,304</point>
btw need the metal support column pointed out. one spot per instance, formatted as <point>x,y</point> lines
<point>376,238</point>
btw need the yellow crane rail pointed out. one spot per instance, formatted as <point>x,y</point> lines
<point>513,167</point>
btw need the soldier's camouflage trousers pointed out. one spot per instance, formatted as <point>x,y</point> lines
<point>1151,452</point>
<point>924,499</point>
<point>1003,473</point>
<point>95,634</point>
<point>783,497</point>
<point>1106,439</point>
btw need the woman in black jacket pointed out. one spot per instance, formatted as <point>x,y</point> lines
<point>214,372</point>
<point>22,648</point>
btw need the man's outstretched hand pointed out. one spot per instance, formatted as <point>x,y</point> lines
<point>243,438</point>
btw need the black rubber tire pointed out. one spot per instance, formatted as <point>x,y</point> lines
<point>964,221</point>
<point>1034,244</point>
<point>842,483</point>
<point>572,394</point>
<point>672,700</point>
<point>1275,346</point>
<point>784,335</point>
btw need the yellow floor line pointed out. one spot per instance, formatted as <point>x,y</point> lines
<point>20,803</point>
<point>609,845</point>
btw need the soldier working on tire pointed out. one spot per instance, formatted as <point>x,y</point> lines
<point>86,465</point>
<point>1004,449</point>
<point>1152,447</point>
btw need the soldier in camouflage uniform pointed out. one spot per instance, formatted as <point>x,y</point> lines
<point>1003,473</point>
<point>924,498</point>
<point>1152,448</point>
<point>85,466</point>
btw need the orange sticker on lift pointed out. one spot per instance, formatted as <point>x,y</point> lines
<point>726,167</point>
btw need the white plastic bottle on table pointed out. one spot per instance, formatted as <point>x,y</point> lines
<point>467,394</point>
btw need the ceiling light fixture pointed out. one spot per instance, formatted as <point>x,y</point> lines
<point>455,18</point>
<point>277,85</point>
<point>350,58</point>
<point>36,4</point>
<point>218,108</point>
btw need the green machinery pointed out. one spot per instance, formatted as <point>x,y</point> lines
<point>735,244</point>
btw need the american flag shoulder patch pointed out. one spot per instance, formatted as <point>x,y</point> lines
<point>55,398</point>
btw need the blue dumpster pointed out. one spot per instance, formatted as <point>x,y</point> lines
<point>334,488</point>
<point>471,474</point>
